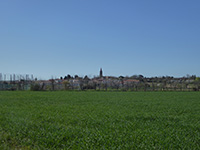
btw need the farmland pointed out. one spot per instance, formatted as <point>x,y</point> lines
<point>99,120</point>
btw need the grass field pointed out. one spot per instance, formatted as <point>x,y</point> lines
<point>99,120</point>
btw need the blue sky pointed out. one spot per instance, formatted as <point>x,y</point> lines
<point>56,38</point>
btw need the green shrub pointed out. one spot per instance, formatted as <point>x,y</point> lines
<point>35,87</point>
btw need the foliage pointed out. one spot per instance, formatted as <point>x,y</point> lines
<point>35,87</point>
<point>197,79</point>
<point>99,120</point>
<point>66,84</point>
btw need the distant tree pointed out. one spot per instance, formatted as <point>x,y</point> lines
<point>86,77</point>
<point>52,84</point>
<point>197,79</point>
<point>104,86</point>
<point>175,85</point>
<point>42,86</point>
<point>146,86</point>
<point>134,77</point>
<point>76,76</point>
<point>153,86</point>
<point>94,84</point>
<point>85,82</point>
<point>35,87</point>
<point>164,84</point>
<point>197,83</point>
<point>66,85</point>
<point>193,77</point>
<point>61,78</point>
<point>116,84</point>
<point>136,87</point>
<point>121,77</point>
<point>81,84</point>
<point>141,76</point>
<point>69,76</point>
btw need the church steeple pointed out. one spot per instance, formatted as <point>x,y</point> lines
<point>101,73</point>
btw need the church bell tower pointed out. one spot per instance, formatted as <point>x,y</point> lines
<point>101,73</point>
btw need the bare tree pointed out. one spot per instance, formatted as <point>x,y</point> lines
<point>52,84</point>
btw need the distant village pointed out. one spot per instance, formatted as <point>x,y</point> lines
<point>101,83</point>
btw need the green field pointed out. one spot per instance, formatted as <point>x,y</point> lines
<point>99,120</point>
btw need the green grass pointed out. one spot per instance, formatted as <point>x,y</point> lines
<point>99,120</point>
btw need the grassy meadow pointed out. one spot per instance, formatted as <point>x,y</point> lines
<point>99,120</point>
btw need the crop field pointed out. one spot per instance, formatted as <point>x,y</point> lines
<point>99,120</point>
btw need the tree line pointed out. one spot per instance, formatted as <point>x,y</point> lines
<point>106,83</point>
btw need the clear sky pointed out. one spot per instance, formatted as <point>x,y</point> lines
<point>55,38</point>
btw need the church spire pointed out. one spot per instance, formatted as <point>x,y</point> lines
<point>101,73</point>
